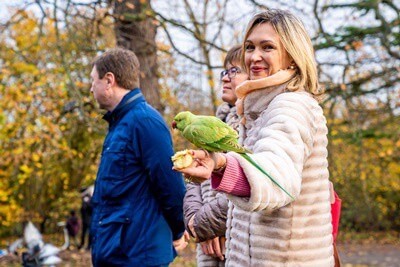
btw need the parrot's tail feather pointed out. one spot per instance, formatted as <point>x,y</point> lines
<point>249,159</point>
<point>248,151</point>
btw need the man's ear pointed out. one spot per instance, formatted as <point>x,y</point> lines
<point>110,78</point>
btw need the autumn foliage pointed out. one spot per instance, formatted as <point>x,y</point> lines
<point>51,130</point>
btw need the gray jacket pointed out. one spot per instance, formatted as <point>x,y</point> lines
<point>210,208</point>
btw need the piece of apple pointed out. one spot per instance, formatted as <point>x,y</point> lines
<point>182,159</point>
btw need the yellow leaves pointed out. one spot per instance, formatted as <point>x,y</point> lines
<point>36,134</point>
<point>397,144</point>
<point>163,46</point>
<point>22,179</point>
<point>9,213</point>
<point>35,157</point>
<point>22,67</point>
<point>4,72</point>
<point>81,84</point>
<point>385,152</point>
<point>130,5</point>
<point>25,173</point>
<point>211,83</point>
<point>357,45</point>
<point>38,165</point>
<point>64,177</point>
<point>209,73</point>
<point>3,197</point>
<point>26,169</point>
<point>93,115</point>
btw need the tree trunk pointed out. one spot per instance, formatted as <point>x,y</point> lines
<point>135,30</point>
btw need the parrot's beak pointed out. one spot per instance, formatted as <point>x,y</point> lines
<point>173,124</point>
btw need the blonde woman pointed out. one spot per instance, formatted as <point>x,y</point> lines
<point>284,126</point>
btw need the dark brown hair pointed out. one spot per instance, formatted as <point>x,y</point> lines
<point>123,63</point>
<point>234,55</point>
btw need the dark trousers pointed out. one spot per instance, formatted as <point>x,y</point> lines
<point>86,229</point>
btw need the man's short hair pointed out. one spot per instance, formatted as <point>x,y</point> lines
<point>123,63</point>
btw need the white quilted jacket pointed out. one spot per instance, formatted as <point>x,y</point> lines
<point>287,133</point>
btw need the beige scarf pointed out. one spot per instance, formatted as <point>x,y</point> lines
<point>248,86</point>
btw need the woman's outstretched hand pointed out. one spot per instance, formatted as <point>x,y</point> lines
<point>201,168</point>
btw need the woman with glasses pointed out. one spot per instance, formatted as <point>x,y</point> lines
<point>205,210</point>
<point>231,77</point>
<point>286,222</point>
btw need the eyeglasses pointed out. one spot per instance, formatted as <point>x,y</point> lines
<point>231,72</point>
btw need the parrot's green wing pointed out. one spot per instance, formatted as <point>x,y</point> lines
<point>230,144</point>
<point>212,134</point>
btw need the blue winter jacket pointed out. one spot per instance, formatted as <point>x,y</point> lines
<point>138,198</point>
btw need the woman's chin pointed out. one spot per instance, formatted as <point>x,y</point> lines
<point>257,77</point>
<point>229,99</point>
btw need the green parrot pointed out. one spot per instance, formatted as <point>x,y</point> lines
<point>207,132</point>
<point>213,135</point>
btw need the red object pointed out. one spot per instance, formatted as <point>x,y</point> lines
<point>335,211</point>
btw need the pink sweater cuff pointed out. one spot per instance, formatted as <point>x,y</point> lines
<point>233,181</point>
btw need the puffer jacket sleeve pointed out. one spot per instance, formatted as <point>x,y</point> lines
<point>192,202</point>
<point>210,220</point>
<point>283,144</point>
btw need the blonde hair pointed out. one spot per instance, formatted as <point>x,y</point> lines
<point>298,45</point>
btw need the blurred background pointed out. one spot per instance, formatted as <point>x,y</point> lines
<point>51,129</point>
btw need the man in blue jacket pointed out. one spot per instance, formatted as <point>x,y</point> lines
<point>137,203</point>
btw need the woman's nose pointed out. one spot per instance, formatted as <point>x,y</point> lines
<point>225,78</point>
<point>256,55</point>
